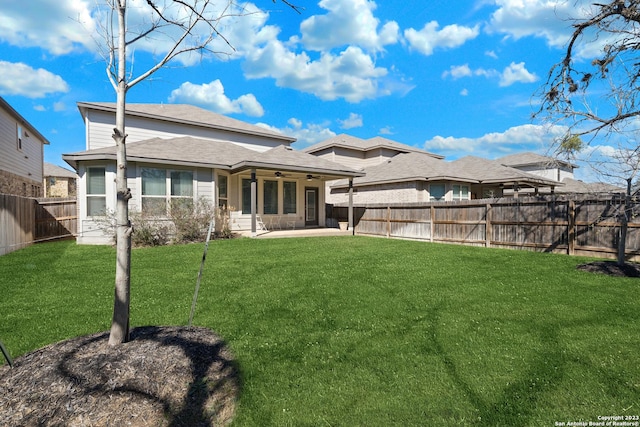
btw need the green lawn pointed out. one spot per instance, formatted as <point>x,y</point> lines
<point>362,331</point>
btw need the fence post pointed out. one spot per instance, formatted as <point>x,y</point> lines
<point>433,219</point>
<point>571,227</point>
<point>388,221</point>
<point>487,229</point>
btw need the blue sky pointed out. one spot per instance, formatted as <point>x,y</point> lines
<point>453,77</point>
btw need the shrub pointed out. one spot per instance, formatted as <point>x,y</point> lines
<point>190,219</point>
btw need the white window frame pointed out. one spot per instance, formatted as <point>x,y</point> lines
<point>89,195</point>
<point>460,187</point>
<point>444,194</point>
<point>167,188</point>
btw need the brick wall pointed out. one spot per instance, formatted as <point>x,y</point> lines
<point>19,186</point>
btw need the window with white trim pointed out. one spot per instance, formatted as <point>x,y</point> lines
<point>19,135</point>
<point>96,191</point>
<point>290,193</point>
<point>270,200</point>
<point>223,188</point>
<point>161,187</point>
<point>460,192</point>
<point>437,191</point>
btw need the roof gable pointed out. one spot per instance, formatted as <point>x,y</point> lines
<point>23,122</point>
<point>188,115</point>
<point>490,171</point>
<point>532,159</point>
<point>364,145</point>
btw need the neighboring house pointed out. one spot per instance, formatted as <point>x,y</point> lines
<point>545,166</point>
<point>21,154</point>
<point>58,181</point>
<point>558,170</point>
<point>361,153</point>
<point>575,186</point>
<point>181,151</point>
<point>396,173</point>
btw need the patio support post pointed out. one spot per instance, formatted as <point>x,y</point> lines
<point>351,206</point>
<point>254,199</point>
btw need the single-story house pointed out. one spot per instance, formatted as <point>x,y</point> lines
<point>21,154</point>
<point>58,181</point>
<point>398,173</point>
<point>182,151</point>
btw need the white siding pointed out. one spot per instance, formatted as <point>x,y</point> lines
<point>28,162</point>
<point>100,126</point>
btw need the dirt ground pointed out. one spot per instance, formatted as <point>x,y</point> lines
<point>164,376</point>
<point>611,268</point>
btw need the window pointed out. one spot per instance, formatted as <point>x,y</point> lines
<point>96,192</point>
<point>460,192</point>
<point>436,192</point>
<point>246,196</point>
<point>290,192</point>
<point>270,192</point>
<point>155,182</point>
<point>19,137</point>
<point>223,198</point>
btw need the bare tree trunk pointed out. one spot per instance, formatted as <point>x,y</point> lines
<point>120,322</point>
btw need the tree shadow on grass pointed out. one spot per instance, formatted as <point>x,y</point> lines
<point>517,402</point>
<point>165,376</point>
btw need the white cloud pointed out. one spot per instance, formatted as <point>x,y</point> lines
<point>351,74</point>
<point>353,121</point>
<point>548,20</point>
<point>516,73</point>
<point>212,96</point>
<point>59,106</point>
<point>21,79</point>
<point>305,135</point>
<point>430,38</point>
<point>349,22</point>
<point>527,137</point>
<point>57,27</point>
<point>539,18</point>
<point>387,130</point>
<point>458,71</point>
<point>464,92</point>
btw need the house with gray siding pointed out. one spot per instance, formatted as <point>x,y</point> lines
<point>181,151</point>
<point>21,154</point>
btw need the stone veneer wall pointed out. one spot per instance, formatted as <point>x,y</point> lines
<point>61,187</point>
<point>19,186</point>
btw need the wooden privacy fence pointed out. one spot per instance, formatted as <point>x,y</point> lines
<point>587,226</point>
<point>24,221</point>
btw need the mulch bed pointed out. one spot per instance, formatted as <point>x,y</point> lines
<point>612,268</point>
<point>164,376</point>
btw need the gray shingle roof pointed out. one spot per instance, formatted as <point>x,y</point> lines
<point>283,157</point>
<point>528,158</point>
<point>188,114</point>
<point>189,151</point>
<point>354,143</point>
<point>410,167</point>
<point>50,169</point>
<point>576,186</point>
<point>421,167</point>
